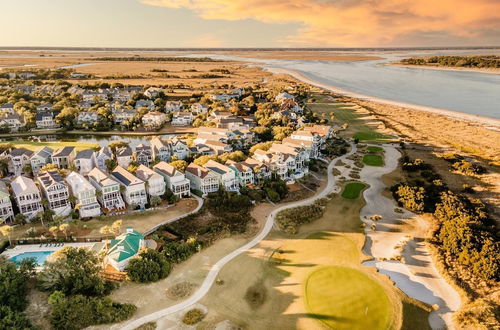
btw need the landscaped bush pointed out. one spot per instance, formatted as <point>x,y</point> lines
<point>177,252</point>
<point>12,319</point>
<point>193,316</point>
<point>151,266</point>
<point>290,219</point>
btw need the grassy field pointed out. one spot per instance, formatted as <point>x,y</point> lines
<point>373,160</point>
<point>30,145</point>
<point>358,303</point>
<point>361,124</point>
<point>374,149</point>
<point>352,190</point>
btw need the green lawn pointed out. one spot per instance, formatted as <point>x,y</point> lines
<point>374,149</point>
<point>352,190</point>
<point>30,145</point>
<point>371,136</point>
<point>373,160</point>
<point>346,298</point>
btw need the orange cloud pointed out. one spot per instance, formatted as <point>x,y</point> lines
<point>361,22</point>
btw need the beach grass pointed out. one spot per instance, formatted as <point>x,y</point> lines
<point>347,298</point>
<point>32,145</point>
<point>352,190</point>
<point>373,160</point>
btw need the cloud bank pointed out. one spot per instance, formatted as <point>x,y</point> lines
<point>363,22</point>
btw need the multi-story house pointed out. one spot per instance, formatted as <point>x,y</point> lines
<point>101,157</point>
<point>173,106</point>
<point>27,196</point>
<point>44,107</point>
<point>124,156</point>
<point>199,108</point>
<point>56,192</point>
<point>18,159</point>
<point>218,147</point>
<point>107,190</point>
<point>40,158</point>
<point>179,148</point>
<point>155,185</point>
<point>84,161</point>
<point>64,157</point>
<point>324,131</point>
<point>134,192</point>
<point>182,118</point>
<point>311,142</point>
<point>6,212</point>
<point>243,171</point>
<point>175,179</point>
<point>161,149</point>
<point>154,119</point>
<point>7,108</point>
<point>123,115</point>
<point>85,194</point>
<point>143,154</point>
<point>153,92</point>
<point>226,176</point>
<point>202,179</point>
<point>261,171</point>
<point>13,121</point>
<point>45,120</point>
<point>145,104</point>
<point>85,117</point>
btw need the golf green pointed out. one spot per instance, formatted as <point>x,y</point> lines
<point>374,149</point>
<point>353,189</point>
<point>373,160</point>
<point>346,298</point>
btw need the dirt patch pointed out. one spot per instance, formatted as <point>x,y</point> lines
<point>180,290</point>
<point>38,309</point>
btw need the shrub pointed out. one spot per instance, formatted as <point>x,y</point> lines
<point>151,266</point>
<point>193,316</point>
<point>290,219</point>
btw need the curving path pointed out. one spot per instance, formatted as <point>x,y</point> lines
<point>214,271</point>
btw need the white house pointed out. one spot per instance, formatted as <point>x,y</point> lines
<point>161,149</point>
<point>7,108</point>
<point>45,120</point>
<point>124,156</point>
<point>27,196</point>
<point>64,157</point>
<point>179,148</point>
<point>182,118</point>
<point>108,190</point>
<point>6,212</point>
<point>85,194</point>
<point>56,192</point>
<point>134,192</point>
<point>145,104</point>
<point>154,119</point>
<point>226,176</point>
<point>202,179</point>
<point>44,107</point>
<point>176,180</point>
<point>199,108</point>
<point>153,92</point>
<point>155,185</point>
<point>84,161</point>
<point>13,121</point>
<point>86,117</point>
<point>18,159</point>
<point>143,154</point>
<point>123,115</point>
<point>173,106</point>
<point>124,248</point>
<point>101,157</point>
<point>40,158</point>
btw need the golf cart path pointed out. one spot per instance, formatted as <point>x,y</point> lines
<point>214,271</point>
<point>417,276</point>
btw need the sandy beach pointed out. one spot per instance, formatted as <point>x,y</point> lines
<point>483,121</point>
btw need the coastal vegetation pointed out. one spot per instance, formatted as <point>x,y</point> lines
<point>155,59</point>
<point>483,61</point>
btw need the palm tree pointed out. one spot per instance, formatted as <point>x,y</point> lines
<point>64,228</point>
<point>6,231</point>
<point>117,226</point>
<point>4,167</point>
<point>53,230</point>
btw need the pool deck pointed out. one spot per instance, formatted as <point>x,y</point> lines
<point>19,249</point>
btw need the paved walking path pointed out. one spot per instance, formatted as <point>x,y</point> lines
<point>214,271</point>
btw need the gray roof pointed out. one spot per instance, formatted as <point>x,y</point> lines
<point>85,154</point>
<point>63,152</point>
<point>44,152</point>
<point>123,151</point>
<point>20,152</point>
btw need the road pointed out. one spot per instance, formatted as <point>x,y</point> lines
<point>214,271</point>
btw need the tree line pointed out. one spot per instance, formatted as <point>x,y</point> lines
<point>485,61</point>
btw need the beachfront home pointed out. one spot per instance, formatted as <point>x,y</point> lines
<point>175,179</point>
<point>153,92</point>
<point>18,159</point>
<point>179,148</point>
<point>56,192</point>
<point>154,119</point>
<point>123,248</point>
<point>134,192</point>
<point>64,157</point>
<point>84,161</point>
<point>202,179</point>
<point>143,154</point>
<point>123,115</point>
<point>243,171</point>
<point>182,118</point>
<point>101,157</point>
<point>124,156</point>
<point>225,175</point>
<point>85,194</point>
<point>86,117</point>
<point>12,121</point>
<point>199,108</point>
<point>6,212</point>
<point>108,190</point>
<point>40,158</point>
<point>45,120</point>
<point>155,185</point>
<point>27,196</point>
<point>161,149</point>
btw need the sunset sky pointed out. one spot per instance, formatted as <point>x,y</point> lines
<point>249,23</point>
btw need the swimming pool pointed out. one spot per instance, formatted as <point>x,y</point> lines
<point>39,256</point>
